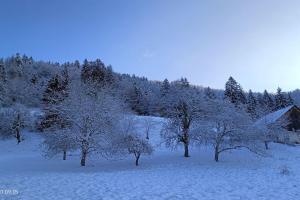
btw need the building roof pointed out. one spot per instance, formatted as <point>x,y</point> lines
<point>273,117</point>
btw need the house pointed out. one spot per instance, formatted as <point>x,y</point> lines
<point>287,118</point>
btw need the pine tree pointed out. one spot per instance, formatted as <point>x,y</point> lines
<point>252,105</point>
<point>268,102</point>
<point>165,88</point>
<point>280,100</point>
<point>54,94</point>
<point>234,92</point>
<point>164,96</point>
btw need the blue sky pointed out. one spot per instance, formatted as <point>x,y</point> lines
<point>257,42</point>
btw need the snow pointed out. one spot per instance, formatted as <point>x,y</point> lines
<point>164,175</point>
<point>272,117</point>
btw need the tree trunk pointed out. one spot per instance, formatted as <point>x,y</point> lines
<point>266,145</point>
<point>83,157</point>
<point>137,160</point>
<point>186,150</point>
<point>217,154</point>
<point>18,135</point>
<point>18,127</point>
<point>186,143</point>
<point>147,133</point>
<point>65,155</point>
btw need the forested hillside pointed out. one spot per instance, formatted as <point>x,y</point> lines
<point>25,81</point>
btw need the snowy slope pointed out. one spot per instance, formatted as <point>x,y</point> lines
<point>164,175</point>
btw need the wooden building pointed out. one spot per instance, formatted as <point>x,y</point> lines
<point>287,118</point>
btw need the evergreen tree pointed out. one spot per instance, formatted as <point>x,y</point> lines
<point>252,105</point>
<point>165,88</point>
<point>234,92</point>
<point>280,100</point>
<point>54,95</point>
<point>164,97</point>
<point>268,102</point>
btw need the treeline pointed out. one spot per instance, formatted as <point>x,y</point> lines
<point>25,81</point>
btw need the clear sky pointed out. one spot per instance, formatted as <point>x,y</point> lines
<point>255,41</point>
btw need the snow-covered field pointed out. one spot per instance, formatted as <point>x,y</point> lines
<point>164,175</point>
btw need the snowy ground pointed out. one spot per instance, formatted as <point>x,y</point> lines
<point>164,175</point>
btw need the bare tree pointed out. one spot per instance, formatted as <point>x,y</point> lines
<point>273,129</point>
<point>12,121</point>
<point>228,127</point>
<point>131,140</point>
<point>137,146</point>
<point>148,123</point>
<point>59,141</point>
<point>183,115</point>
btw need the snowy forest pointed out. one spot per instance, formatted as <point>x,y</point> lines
<point>89,108</point>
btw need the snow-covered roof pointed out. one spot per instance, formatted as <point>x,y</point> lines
<point>272,117</point>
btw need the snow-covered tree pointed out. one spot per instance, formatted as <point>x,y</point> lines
<point>273,131</point>
<point>12,122</point>
<point>137,146</point>
<point>226,128</point>
<point>252,105</point>
<point>165,88</point>
<point>280,100</point>
<point>94,119</point>
<point>183,114</point>
<point>59,141</point>
<point>268,102</point>
<point>148,124</point>
<point>55,93</point>
<point>131,139</point>
<point>234,92</point>
<point>164,97</point>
